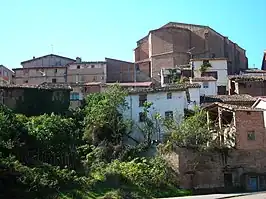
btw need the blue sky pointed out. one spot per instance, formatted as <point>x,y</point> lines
<point>97,29</point>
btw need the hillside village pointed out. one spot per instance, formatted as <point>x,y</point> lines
<point>177,68</point>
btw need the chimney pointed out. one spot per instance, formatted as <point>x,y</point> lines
<point>78,60</point>
<point>33,57</point>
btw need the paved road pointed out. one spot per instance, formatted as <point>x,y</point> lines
<point>260,195</point>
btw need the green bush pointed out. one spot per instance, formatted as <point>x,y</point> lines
<point>149,176</point>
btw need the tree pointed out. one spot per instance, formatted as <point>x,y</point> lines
<point>103,120</point>
<point>193,132</point>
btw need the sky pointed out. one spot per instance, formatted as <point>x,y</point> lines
<point>95,29</point>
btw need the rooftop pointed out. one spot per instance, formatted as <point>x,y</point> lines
<point>254,71</point>
<point>231,107</point>
<point>169,88</point>
<point>211,59</point>
<point>246,77</point>
<point>36,58</point>
<point>43,86</point>
<point>200,79</point>
<point>228,98</point>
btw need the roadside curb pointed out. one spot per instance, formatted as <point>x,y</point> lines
<point>243,194</point>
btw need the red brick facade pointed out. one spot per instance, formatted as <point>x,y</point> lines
<point>167,47</point>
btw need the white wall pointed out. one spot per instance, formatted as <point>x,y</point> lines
<point>194,94</point>
<point>217,65</point>
<point>211,90</point>
<point>160,105</point>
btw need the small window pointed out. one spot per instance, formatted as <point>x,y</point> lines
<point>251,135</point>
<point>205,84</point>
<point>169,95</point>
<point>53,80</point>
<point>26,81</point>
<point>78,66</point>
<point>94,78</point>
<point>141,117</point>
<point>92,66</point>
<point>205,61</point>
<point>142,99</point>
<point>74,96</point>
<point>169,115</point>
<point>55,70</point>
<point>248,113</point>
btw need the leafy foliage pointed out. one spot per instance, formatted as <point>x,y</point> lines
<point>96,134</point>
<point>103,116</point>
<point>193,132</point>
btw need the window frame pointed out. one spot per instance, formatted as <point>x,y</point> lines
<point>169,115</point>
<point>169,95</point>
<point>251,136</point>
<point>142,99</point>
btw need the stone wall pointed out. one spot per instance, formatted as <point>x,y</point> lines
<point>206,171</point>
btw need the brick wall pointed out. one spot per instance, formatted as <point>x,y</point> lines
<point>210,167</point>
<point>120,71</point>
<point>253,88</point>
<point>248,121</point>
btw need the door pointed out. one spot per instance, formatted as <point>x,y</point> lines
<point>252,183</point>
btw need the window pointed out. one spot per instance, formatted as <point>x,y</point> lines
<point>141,117</point>
<point>210,74</point>
<point>26,81</point>
<point>205,84</point>
<point>248,113</point>
<point>205,61</point>
<point>168,115</point>
<point>78,66</point>
<point>169,95</point>
<point>74,96</point>
<point>55,70</point>
<point>94,78</point>
<point>251,135</point>
<point>53,80</point>
<point>142,99</point>
<point>26,71</point>
<point>92,66</point>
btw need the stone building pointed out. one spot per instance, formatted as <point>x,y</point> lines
<point>242,167</point>
<point>6,75</point>
<point>253,85</point>
<point>176,43</point>
<point>49,68</point>
<point>84,71</point>
<point>36,99</point>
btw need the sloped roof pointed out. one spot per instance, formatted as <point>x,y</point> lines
<point>169,88</point>
<point>231,107</point>
<point>47,56</point>
<point>228,98</point>
<point>43,86</point>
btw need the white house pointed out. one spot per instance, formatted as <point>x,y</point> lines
<point>168,102</point>
<point>208,85</point>
<point>217,69</point>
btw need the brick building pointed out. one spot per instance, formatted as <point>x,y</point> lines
<point>254,85</point>
<point>36,99</point>
<point>169,46</point>
<point>242,129</point>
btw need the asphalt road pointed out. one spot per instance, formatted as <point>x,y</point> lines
<point>259,195</point>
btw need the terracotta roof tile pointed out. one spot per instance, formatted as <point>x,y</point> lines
<point>169,88</point>
<point>231,107</point>
<point>44,86</point>
<point>247,77</point>
<point>228,98</point>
